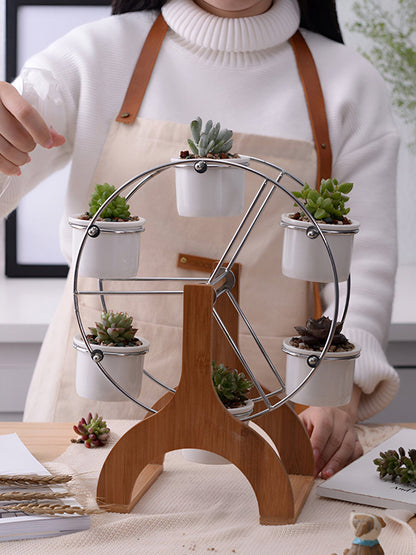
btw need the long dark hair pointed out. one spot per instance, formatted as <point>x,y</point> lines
<point>319,16</point>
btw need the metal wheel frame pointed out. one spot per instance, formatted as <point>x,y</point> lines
<point>218,274</point>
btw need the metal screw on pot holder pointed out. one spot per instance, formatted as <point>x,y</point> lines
<point>312,361</point>
<point>221,277</point>
<point>312,232</point>
<point>200,166</point>
<point>97,355</point>
<point>94,231</point>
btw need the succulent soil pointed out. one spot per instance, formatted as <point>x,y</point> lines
<point>185,154</point>
<point>87,216</point>
<point>303,218</point>
<point>92,339</point>
<point>298,343</point>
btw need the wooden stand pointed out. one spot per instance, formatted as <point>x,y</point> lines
<point>194,417</point>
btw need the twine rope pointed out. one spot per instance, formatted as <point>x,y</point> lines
<point>20,480</point>
<point>50,509</point>
<point>23,495</point>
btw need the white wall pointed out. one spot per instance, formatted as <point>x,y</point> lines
<point>406,199</point>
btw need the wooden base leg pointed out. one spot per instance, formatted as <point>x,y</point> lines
<point>290,438</point>
<point>194,417</point>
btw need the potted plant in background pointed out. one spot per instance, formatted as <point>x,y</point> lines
<point>114,337</point>
<point>207,188</point>
<point>332,383</point>
<point>390,45</point>
<point>304,253</point>
<point>232,387</point>
<point>114,248</point>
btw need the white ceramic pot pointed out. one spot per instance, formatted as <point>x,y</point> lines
<point>332,382</point>
<point>114,253</point>
<point>206,457</point>
<point>219,191</point>
<point>124,365</point>
<point>308,259</point>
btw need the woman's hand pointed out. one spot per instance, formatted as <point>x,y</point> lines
<point>21,129</point>
<point>334,439</point>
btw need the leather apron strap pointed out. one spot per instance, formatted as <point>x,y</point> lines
<point>142,72</point>
<point>310,82</point>
<point>316,106</point>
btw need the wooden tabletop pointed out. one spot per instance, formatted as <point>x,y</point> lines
<point>46,441</point>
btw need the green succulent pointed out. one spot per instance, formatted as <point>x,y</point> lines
<point>93,430</point>
<point>115,328</point>
<point>329,203</point>
<point>395,464</point>
<point>230,385</point>
<point>210,140</point>
<point>118,209</point>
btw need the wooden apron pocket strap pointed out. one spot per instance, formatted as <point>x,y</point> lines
<point>197,263</point>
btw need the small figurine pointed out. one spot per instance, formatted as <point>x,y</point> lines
<point>367,528</point>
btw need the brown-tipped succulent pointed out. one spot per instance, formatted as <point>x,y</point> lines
<point>93,430</point>
<point>313,336</point>
<point>115,328</point>
<point>230,385</point>
<point>396,465</point>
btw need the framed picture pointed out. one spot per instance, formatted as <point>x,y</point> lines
<point>32,246</point>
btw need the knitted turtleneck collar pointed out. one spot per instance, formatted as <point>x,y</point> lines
<point>245,34</point>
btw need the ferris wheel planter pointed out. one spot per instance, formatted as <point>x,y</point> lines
<point>332,383</point>
<point>305,255</point>
<point>126,365</point>
<point>115,250</point>
<point>113,341</point>
<point>204,187</point>
<point>217,192</point>
<point>190,415</point>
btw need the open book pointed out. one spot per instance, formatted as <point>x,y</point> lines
<point>15,459</point>
<point>360,481</point>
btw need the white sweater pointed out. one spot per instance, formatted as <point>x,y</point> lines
<point>241,72</point>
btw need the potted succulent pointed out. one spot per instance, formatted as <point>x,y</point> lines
<point>304,253</point>
<point>232,387</point>
<point>206,188</point>
<point>114,247</point>
<point>113,341</point>
<point>332,382</point>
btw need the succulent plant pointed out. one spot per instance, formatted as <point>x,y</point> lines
<point>329,203</point>
<point>212,140</point>
<point>230,385</point>
<point>118,209</point>
<point>115,328</point>
<point>93,430</point>
<point>314,335</point>
<point>395,464</point>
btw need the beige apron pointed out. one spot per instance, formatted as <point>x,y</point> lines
<point>272,302</point>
